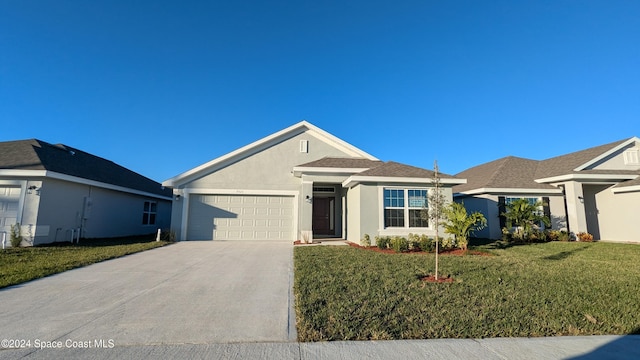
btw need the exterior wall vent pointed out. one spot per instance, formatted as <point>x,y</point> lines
<point>324,189</point>
<point>632,156</point>
<point>304,146</point>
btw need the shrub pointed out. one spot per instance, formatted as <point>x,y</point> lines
<point>553,235</point>
<point>15,235</point>
<point>447,243</point>
<point>558,235</point>
<point>584,236</point>
<point>564,236</point>
<point>506,235</point>
<point>366,240</point>
<point>399,244</point>
<point>414,242</point>
<point>427,244</point>
<point>382,242</point>
<point>538,235</point>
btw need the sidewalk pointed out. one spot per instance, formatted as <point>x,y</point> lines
<point>570,347</point>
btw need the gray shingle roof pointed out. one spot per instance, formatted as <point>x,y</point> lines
<point>336,162</point>
<point>518,173</point>
<point>394,169</point>
<point>35,154</point>
<point>507,173</point>
<point>565,164</point>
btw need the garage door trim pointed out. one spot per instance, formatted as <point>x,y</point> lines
<point>240,192</point>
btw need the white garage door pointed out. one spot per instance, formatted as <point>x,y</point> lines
<point>240,217</point>
<point>9,200</point>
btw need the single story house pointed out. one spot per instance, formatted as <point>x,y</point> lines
<point>58,193</point>
<point>298,184</point>
<point>596,190</point>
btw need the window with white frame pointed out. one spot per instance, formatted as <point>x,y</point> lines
<point>403,208</point>
<point>531,201</point>
<point>149,213</point>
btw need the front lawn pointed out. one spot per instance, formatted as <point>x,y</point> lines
<point>24,264</point>
<point>345,293</point>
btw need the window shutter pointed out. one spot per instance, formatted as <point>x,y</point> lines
<point>545,207</point>
<point>501,210</point>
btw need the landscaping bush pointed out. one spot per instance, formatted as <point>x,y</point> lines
<point>366,240</point>
<point>447,243</point>
<point>506,235</point>
<point>399,244</point>
<point>564,236</point>
<point>414,242</point>
<point>553,235</point>
<point>382,242</point>
<point>427,244</point>
<point>558,235</point>
<point>15,236</point>
<point>584,236</point>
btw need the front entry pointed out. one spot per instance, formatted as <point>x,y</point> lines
<point>322,213</point>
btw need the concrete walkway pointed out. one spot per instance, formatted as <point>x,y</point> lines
<point>218,300</point>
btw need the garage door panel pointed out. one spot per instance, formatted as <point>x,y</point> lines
<point>240,217</point>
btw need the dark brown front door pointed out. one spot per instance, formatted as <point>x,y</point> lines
<point>321,214</point>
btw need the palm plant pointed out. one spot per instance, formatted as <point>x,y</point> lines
<point>461,224</point>
<point>525,217</point>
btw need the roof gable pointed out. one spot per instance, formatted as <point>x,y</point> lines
<point>35,154</point>
<point>631,141</point>
<point>263,144</point>
<point>569,163</point>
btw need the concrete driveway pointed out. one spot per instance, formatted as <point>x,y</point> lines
<point>186,293</point>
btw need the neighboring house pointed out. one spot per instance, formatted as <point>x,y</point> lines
<point>56,192</point>
<point>297,184</point>
<point>596,190</point>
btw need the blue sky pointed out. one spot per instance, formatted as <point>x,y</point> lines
<point>163,86</point>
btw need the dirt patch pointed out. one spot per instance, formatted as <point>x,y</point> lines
<point>432,279</point>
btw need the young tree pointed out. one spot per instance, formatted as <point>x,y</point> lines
<point>524,216</point>
<point>436,202</point>
<point>460,224</point>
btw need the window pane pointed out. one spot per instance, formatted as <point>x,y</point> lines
<point>393,198</point>
<point>145,219</point>
<point>393,218</point>
<point>146,206</point>
<point>415,219</point>
<point>417,198</point>
<point>153,207</point>
<point>152,219</point>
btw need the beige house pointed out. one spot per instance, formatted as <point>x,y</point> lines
<point>298,184</point>
<point>596,190</point>
<point>58,193</point>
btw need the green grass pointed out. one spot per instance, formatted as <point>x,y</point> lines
<point>344,293</point>
<point>19,265</point>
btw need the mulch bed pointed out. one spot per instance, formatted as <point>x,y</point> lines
<point>454,252</point>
